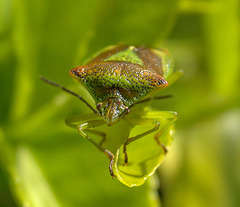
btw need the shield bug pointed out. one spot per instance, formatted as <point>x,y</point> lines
<point>118,79</point>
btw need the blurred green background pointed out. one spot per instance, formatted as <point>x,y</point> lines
<point>46,164</point>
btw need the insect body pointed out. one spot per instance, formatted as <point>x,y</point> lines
<point>119,78</point>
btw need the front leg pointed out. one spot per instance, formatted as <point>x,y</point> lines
<point>151,118</point>
<point>172,117</point>
<point>141,121</point>
<point>89,125</point>
<point>109,154</point>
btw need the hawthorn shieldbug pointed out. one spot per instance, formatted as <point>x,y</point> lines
<point>119,78</point>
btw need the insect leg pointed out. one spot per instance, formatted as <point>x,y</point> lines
<point>109,154</point>
<point>71,121</point>
<point>171,117</point>
<point>139,121</point>
<point>151,118</point>
<point>89,125</point>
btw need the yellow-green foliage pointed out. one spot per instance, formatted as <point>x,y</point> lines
<point>46,164</point>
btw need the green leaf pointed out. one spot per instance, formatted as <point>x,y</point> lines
<point>46,163</point>
<point>144,156</point>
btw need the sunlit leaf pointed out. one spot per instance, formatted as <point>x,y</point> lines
<point>144,155</point>
<point>46,163</point>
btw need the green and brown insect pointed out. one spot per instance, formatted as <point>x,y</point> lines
<point>118,79</point>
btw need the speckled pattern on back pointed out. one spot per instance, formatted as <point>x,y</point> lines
<point>125,72</point>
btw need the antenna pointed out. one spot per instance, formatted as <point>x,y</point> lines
<point>69,91</point>
<point>145,100</point>
<point>154,98</point>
